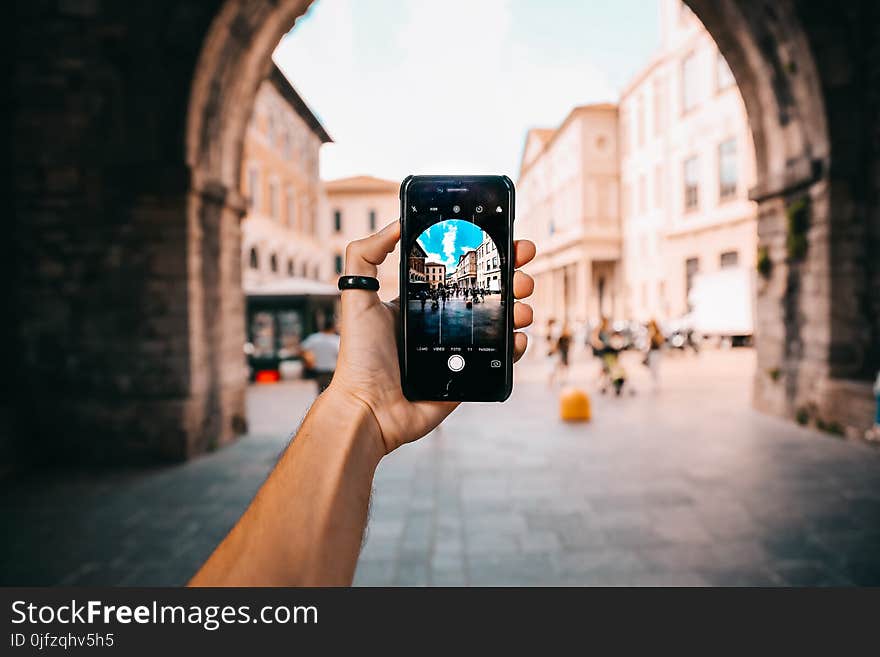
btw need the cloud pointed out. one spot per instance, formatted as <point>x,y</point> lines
<point>449,243</point>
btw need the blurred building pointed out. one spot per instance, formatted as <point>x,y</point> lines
<point>567,202</point>
<point>435,273</point>
<point>686,165</point>
<point>281,231</point>
<point>356,207</point>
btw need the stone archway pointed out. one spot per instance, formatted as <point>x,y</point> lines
<point>799,66</point>
<point>234,60</point>
<point>125,332</point>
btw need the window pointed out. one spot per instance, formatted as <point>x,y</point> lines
<point>723,75</point>
<point>305,270</point>
<point>372,221</point>
<point>274,208</point>
<point>727,169</point>
<point>640,121</point>
<point>270,130</point>
<point>624,133</point>
<point>337,221</point>
<point>338,263</point>
<point>273,263</point>
<point>689,83</point>
<point>729,259</point>
<point>291,267</point>
<point>658,186</point>
<point>659,100</point>
<point>643,195</point>
<point>316,272</point>
<point>253,189</point>
<point>691,269</point>
<point>691,184</point>
<point>254,260</point>
<point>291,207</point>
<point>288,146</point>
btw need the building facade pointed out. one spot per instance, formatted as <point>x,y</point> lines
<point>687,162</point>
<point>416,267</point>
<point>567,202</point>
<point>281,232</point>
<point>488,265</point>
<point>466,270</point>
<point>435,273</point>
<point>354,208</point>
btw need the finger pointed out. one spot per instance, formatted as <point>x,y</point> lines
<point>525,251</point>
<point>520,342</point>
<point>363,255</point>
<point>522,315</point>
<point>523,285</point>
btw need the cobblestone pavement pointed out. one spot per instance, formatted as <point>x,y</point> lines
<point>686,486</point>
<point>454,323</point>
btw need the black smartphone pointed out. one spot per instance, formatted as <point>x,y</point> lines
<point>456,288</point>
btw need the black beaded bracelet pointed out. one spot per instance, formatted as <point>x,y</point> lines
<point>358,283</point>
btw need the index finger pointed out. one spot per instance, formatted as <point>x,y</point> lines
<point>362,256</point>
<point>524,251</point>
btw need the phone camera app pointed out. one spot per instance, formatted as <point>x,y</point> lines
<point>455,296</point>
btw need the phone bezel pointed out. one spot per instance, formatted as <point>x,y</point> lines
<point>405,374</point>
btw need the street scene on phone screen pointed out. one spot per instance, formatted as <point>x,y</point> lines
<point>455,287</point>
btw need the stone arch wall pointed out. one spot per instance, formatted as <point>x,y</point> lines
<point>806,71</point>
<point>234,60</point>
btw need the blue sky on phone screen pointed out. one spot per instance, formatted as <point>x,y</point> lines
<point>446,240</point>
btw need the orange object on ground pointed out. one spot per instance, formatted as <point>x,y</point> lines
<point>574,405</point>
<point>268,376</point>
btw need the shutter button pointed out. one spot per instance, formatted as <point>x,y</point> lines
<point>455,363</point>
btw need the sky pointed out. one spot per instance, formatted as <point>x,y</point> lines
<point>422,86</point>
<point>445,241</point>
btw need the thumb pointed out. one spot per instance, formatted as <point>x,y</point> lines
<point>363,255</point>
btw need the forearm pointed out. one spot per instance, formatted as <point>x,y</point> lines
<point>306,523</point>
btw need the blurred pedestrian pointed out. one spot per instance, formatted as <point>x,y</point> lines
<point>691,341</point>
<point>551,338</point>
<point>600,338</point>
<point>652,355</point>
<point>563,346</point>
<point>319,353</point>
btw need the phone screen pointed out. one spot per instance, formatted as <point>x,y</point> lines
<point>456,299</point>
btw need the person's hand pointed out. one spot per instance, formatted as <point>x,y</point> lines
<point>368,368</point>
